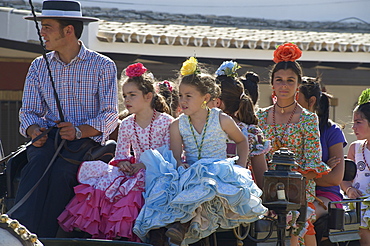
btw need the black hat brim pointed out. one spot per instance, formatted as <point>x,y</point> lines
<point>41,17</point>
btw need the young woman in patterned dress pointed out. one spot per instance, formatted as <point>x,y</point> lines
<point>289,125</point>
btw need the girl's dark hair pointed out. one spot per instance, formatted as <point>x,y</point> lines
<point>250,82</point>
<point>204,83</point>
<point>364,110</point>
<point>145,84</point>
<point>171,96</point>
<point>285,65</point>
<point>311,87</point>
<point>77,25</point>
<point>237,103</point>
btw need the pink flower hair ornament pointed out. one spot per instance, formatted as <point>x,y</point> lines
<point>287,52</point>
<point>135,70</point>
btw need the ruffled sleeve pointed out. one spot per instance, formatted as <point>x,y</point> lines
<point>258,145</point>
<point>311,153</point>
<point>124,141</point>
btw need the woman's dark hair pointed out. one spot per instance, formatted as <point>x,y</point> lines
<point>364,110</point>
<point>250,82</point>
<point>204,83</point>
<point>237,103</point>
<point>310,87</point>
<point>145,84</point>
<point>77,25</point>
<point>285,65</point>
<point>171,96</point>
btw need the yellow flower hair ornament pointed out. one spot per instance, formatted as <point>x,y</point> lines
<point>190,66</point>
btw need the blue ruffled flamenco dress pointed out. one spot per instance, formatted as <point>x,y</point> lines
<point>211,194</point>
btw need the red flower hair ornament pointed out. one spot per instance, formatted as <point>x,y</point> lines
<point>135,70</point>
<point>167,84</point>
<point>287,52</point>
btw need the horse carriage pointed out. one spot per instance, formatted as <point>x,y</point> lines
<point>340,226</point>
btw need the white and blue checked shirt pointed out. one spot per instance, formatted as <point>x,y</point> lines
<point>86,87</point>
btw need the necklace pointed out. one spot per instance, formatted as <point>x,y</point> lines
<point>282,108</point>
<point>363,154</point>
<point>150,132</point>
<point>199,147</point>
<point>277,143</point>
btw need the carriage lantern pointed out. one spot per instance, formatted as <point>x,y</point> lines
<point>284,190</point>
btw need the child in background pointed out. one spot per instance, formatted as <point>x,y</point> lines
<point>250,82</point>
<point>359,152</point>
<point>212,191</point>
<point>110,196</point>
<point>171,94</point>
<point>238,105</point>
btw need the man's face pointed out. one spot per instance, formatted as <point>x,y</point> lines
<point>53,34</point>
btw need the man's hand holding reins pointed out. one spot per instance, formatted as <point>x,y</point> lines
<point>33,131</point>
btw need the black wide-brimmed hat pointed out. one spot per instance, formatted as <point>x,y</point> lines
<point>64,10</point>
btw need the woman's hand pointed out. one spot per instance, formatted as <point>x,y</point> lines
<point>309,175</point>
<point>353,193</point>
<point>333,162</point>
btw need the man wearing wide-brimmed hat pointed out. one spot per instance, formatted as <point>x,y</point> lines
<point>85,82</point>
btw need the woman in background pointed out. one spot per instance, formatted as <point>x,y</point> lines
<point>332,142</point>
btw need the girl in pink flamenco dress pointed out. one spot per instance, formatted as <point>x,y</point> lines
<point>109,198</point>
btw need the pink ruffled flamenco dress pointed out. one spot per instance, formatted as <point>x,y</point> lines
<point>106,203</point>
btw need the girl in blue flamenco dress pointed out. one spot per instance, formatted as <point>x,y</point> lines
<point>207,191</point>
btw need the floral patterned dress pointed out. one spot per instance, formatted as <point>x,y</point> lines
<point>108,201</point>
<point>303,138</point>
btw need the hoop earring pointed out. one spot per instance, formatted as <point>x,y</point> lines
<point>296,96</point>
<point>204,104</point>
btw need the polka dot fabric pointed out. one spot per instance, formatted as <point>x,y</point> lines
<point>126,136</point>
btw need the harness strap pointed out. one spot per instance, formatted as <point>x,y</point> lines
<point>25,197</point>
<point>23,147</point>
